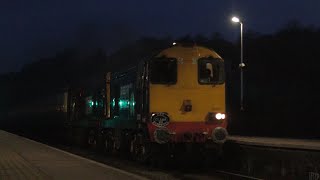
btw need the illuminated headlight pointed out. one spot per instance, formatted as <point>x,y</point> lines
<point>220,116</point>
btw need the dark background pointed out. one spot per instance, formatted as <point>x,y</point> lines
<point>34,29</point>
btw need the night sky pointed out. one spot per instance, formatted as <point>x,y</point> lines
<point>33,29</point>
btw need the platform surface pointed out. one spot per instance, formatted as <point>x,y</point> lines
<point>21,158</point>
<point>303,144</point>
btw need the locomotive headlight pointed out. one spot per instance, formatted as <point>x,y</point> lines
<point>220,116</point>
<point>214,117</point>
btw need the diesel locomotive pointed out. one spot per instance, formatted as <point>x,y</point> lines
<point>174,98</point>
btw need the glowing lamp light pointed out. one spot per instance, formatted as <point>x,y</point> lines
<point>113,102</point>
<point>174,43</point>
<point>235,19</point>
<point>120,103</point>
<point>220,116</point>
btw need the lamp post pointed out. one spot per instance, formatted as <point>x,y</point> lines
<point>241,65</point>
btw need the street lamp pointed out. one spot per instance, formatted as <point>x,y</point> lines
<point>235,19</point>
<point>241,65</point>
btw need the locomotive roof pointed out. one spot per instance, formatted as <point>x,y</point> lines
<point>188,51</point>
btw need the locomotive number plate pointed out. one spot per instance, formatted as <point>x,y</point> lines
<point>160,119</point>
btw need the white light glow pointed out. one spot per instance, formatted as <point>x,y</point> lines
<point>220,116</point>
<point>174,43</point>
<point>235,19</point>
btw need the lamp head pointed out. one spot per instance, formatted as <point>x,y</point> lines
<point>235,19</point>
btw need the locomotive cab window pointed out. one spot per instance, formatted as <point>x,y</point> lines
<point>210,71</point>
<point>163,71</point>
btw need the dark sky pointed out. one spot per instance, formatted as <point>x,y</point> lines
<point>33,28</point>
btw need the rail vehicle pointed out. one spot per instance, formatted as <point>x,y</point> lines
<point>175,98</point>
<point>172,100</point>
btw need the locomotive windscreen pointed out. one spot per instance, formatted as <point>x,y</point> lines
<point>163,71</point>
<point>210,71</point>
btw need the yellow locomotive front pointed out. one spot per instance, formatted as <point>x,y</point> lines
<point>187,96</point>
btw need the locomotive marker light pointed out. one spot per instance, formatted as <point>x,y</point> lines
<point>241,65</point>
<point>220,116</point>
<point>213,117</point>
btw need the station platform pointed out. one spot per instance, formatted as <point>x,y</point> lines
<point>22,158</point>
<point>299,144</point>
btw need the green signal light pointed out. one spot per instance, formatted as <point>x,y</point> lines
<point>120,103</point>
<point>90,103</point>
<point>124,104</point>
<point>113,102</point>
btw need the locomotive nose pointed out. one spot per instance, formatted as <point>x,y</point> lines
<point>219,135</point>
